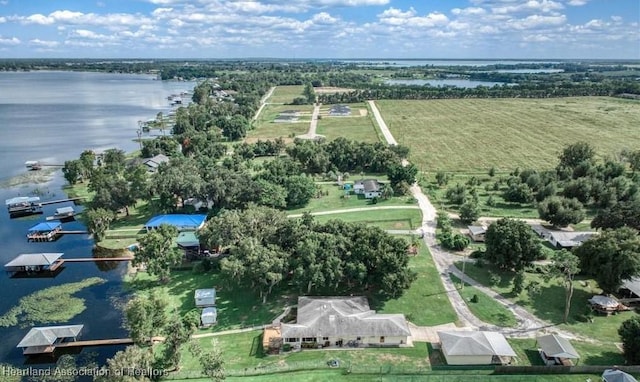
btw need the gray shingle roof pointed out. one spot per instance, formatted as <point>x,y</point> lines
<point>343,316</point>
<point>461,343</point>
<point>633,285</point>
<point>571,239</point>
<point>555,346</point>
<point>369,185</point>
<point>45,336</point>
<point>476,230</point>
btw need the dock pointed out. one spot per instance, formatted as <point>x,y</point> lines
<point>96,259</point>
<point>50,262</point>
<point>72,344</point>
<point>60,201</point>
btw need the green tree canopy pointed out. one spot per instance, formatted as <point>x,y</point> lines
<point>561,211</point>
<point>511,244</point>
<point>629,333</point>
<point>157,251</point>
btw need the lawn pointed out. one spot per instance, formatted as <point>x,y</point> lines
<point>401,219</point>
<point>590,354</point>
<point>486,308</point>
<point>265,128</point>
<point>242,353</point>
<point>426,292</point>
<point>549,304</point>
<point>237,307</point>
<point>286,94</point>
<point>333,198</point>
<point>356,127</point>
<point>476,134</point>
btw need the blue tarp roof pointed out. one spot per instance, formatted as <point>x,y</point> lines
<point>22,199</point>
<point>44,227</point>
<point>180,221</point>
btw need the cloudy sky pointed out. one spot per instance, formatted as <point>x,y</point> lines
<point>320,28</point>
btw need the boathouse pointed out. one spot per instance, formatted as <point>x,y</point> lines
<point>44,339</point>
<point>23,205</point>
<point>63,213</point>
<point>34,262</point>
<point>44,232</point>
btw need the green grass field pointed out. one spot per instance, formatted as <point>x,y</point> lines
<point>286,94</point>
<point>355,127</point>
<point>265,128</point>
<point>466,134</point>
<point>334,199</point>
<point>486,309</point>
<point>403,219</point>
<point>549,304</point>
<point>426,292</point>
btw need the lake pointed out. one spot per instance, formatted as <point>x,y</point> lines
<point>53,117</point>
<point>434,62</point>
<point>458,82</point>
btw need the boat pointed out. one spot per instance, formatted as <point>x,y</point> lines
<point>23,205</point>
<point>33,165</point>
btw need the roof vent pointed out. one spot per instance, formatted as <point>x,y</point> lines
<point>332,318</point>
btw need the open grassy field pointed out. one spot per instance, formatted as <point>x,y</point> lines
<point>466,134</point>
<point>485,308</point>
<point>265,128</point>
<point>402,219</point>
<point>358,126</point>
<point>333,198</point>
<point>286,93</point>
<point>426,292</point>
<point>549,304</point>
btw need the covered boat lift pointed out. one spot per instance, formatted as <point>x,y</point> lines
<point>44,232</point>
<point>23,205</point>
<point>34,262</point>
<point>42,340</point>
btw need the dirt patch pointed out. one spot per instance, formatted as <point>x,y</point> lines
<point>363,112</point>
<point>331,90</point>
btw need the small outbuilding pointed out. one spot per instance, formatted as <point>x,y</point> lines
<point>205,297</point>
<point>615,375</point>
<point>556,350</point>
<point>477,232</point>
<point>605,304</point>
<point>209,316</point>
<point>632,286</point>
<point>475,348</point>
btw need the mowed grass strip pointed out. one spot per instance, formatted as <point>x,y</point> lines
<point>286,93</point>
<point>400,219</point>
<point>486,308</point>
<point>356,127</point>
<point>476,134</point>
<point>425,303</point>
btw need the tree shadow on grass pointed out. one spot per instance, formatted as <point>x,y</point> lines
<point>607,358</point>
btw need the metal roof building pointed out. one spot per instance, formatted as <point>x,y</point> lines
<point>555,346</point>
<point>32,261</point>
<point>181,221</point>
<point>475,348</point>
<point>39,340</point>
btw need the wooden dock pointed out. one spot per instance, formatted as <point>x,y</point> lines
<point>76,344</point>
<point>60,201</point>
<point>73,232</point>
<point>96,259</point>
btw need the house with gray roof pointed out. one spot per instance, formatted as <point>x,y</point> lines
<point>556,350</point>
<point>567,239</point>
<point>154,162</point>
<point>370,188</point>
<point>475,348</point>
<point>343,321</point>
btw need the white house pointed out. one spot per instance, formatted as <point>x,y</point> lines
<point>370,188</point>
<point>205,297</point>
<point>209,316</point>
<point>343,321</point>
<point>475,348</point>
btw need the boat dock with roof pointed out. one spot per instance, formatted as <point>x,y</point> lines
<point>34,262</point>
<point>44,232</point>
<point>23,205</point>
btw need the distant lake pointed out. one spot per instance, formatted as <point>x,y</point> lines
<point>406,63</point>
<point>53,117</point>
<point>461,83</point>
<point>526,71</point>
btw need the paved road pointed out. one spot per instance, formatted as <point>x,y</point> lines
<point>313,125</point>
<point>528,324</point>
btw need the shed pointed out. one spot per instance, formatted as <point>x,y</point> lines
<point>205,297</point>
<point>181,221</point>
<point>209,316</point>
<point>632,285</point>
<point>32,262</point>
<point>477,232</point>
<point>40,340</point>
<point>606,304</point>
<point>555,349</point>
<point>615,375</point>
<point>475,348</point>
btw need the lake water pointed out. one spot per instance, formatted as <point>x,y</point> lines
<point>476,63</point>
<point>461,83</point>
<point>53,117</point>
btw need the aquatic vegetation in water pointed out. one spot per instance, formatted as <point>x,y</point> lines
<point>52,305</point>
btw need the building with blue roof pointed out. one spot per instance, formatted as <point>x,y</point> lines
<point>181,221</point>
<point>46,231</point>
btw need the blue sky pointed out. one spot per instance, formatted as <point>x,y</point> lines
<point>320,28</point>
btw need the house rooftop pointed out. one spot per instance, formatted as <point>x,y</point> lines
<point>476,229</point>
<point>468,343</point>
<point>342,316</point>
<point>633,285</point>
<point>554,345</point>
<point>369,185</point>
<point>571,239</point>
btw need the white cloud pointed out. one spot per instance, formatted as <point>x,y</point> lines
<point>397,13</point>
<point>9,41</point>
<point>537,21</point>
<point>44,43</point>
<point>469,11</point>
<point>3,19</point>
<point>577,3</point>
<point>396,17</point>
<point>528,6</point>
<point>323,18</point>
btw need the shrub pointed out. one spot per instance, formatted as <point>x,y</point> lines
<point>494,278</point>
<point>474,299</point>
